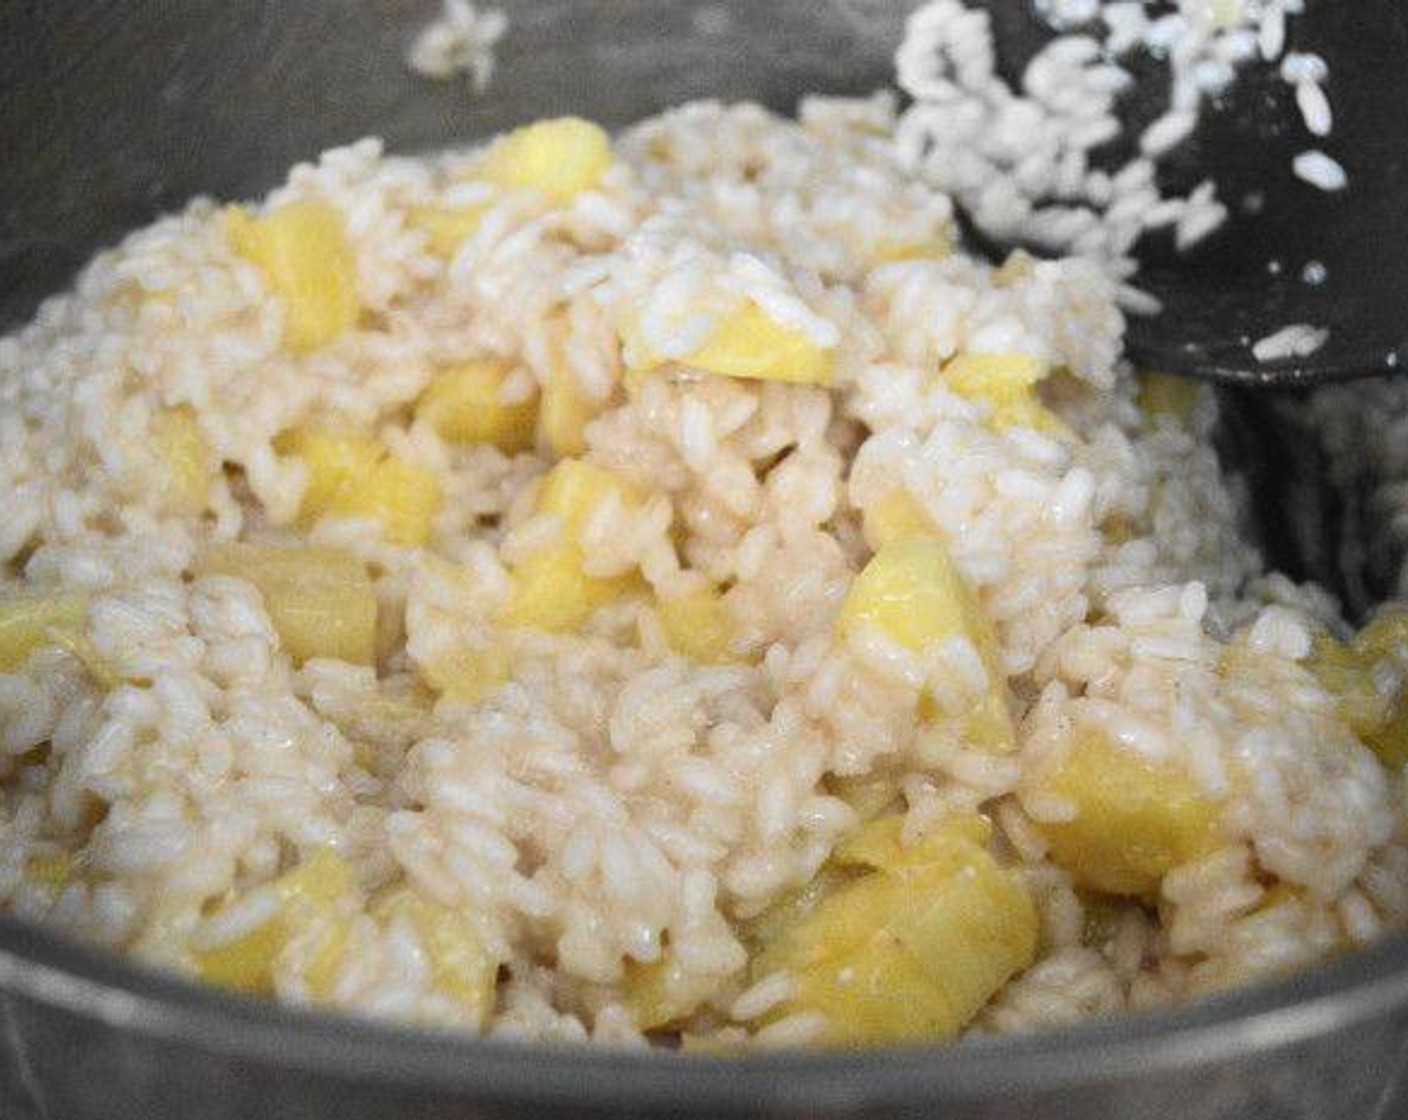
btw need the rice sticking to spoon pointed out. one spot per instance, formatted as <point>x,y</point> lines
<point>1238,167</point>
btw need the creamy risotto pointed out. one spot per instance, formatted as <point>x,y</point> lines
<point>659,588</point>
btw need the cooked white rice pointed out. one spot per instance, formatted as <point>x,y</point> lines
<point>616,803</point>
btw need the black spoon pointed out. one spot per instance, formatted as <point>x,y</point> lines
<point>1248,280</point>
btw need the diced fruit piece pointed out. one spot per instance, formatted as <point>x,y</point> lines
<point>307,262</point>
<point>1162,394</point>
<point>30,623</point>
<point>53,870</point>
<point>1135,819</point>
<point>889,250</point>
<point>336,464</point>
<point>464,405</point>
<point>1358,676</point>
<point>311,894</point>
<point>467,675</point>
<point>750,344</point>
<point>912,594</point>
<point>558,158</point>
<point>461,966</point>
<point>868,794</point>
<point>662,992</point>
<point>551,590</point>
<point>895,516</point>
<point>912,949</point>
<point>245,964</point>
<point>186,458</point>
<point>402,497</point>
<point>698,626</point>
<point>574,489</point>
<point>321,601</point>
<point>880,844</point>
<point>563,416</point>
<point>356,476</point>
<point>446,228</point>
<point>1005,382</point>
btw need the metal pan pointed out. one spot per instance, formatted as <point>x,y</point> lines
<point>112,112</point>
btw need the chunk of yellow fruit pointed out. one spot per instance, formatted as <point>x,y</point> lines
<point>563,416</point>
<point>53,870</point>
<point>311,893</point>
<point>1006,383</point>
<point>356,476</point>
<point>750,344</point>
<point>1135,819</point>
<point>895,516</point>
<point>446,228</point>
<point>890,250</point>
<point>1386,636</point>
<point>916,945</point>
<point>29,623</point>
<point>464,405</point>
<point>186,458</point>
<point>1162,394</point>
<point>307,261</point>
<point>574,489</point>
<point>467,675</point>
<point>320,600</point>
<point>911,593</point>
<point>1359,676</point>
<point>661,992</point>
<point>558,158</point>
<point>698,626</point>
<point>461,966</point>
<point>551,591</point>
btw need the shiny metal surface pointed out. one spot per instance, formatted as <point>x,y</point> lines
<point>112,112</point>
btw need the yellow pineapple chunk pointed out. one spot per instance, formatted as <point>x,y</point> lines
<point>664,991</point>
<point>747,343</point>
<point>551,592</point>
<point>1162,394</point>
<point>1135,819</point>
<point>461,966</point>
<point>464,405</point>
<point>913,595</point>
<point>467,675</point>
<point>550,589</point>
<point>446,228</point>
<point>310,894</point>
<point>888,250</point>
<point>303,251</point>
<point>29,623</point>
<point>1355,675</point>
<point>321,601</point>
<point>563,416</point>
<point>53,870</point>
<point>1006,383</point>
<point>356,476</point>
<point>914,946</point>
<point>895,516</point>
<point>698,626</point>
<point>186,458</point>
<point>558,158</point>
<point>402,497</point>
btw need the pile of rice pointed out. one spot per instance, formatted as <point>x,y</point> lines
<point>616,803</point>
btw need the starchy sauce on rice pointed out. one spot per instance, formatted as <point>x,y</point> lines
<point>659,588</point>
